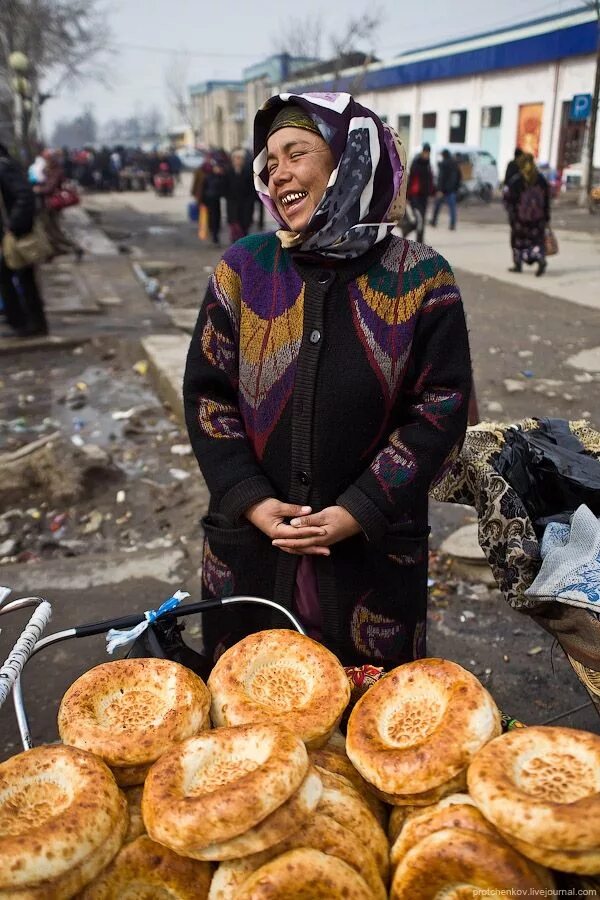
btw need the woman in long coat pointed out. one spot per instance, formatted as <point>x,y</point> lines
<point>326,388</point>
<point>528,205</point>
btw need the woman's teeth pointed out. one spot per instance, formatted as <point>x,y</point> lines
<point>293,198</point>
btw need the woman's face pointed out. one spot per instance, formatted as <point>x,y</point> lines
<point>299,164</point>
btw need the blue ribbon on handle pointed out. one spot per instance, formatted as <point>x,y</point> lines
<point>116,637</point>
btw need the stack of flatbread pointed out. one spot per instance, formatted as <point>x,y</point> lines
<point>62,820</point>
<point>540,787</point>
<point>449,847</point>
<point>414,732</point>
<point>144,869</point>
<point>129,712</point>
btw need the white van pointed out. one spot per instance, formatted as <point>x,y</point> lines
<point>478,168</point>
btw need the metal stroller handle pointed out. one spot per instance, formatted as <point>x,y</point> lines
<point>126,622</point>
<point>25,646</point>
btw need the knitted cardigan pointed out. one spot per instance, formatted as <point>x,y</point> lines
<point>322,385</point>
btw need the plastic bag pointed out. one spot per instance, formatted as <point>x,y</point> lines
<point>162,640</point>
<point>550,470</point>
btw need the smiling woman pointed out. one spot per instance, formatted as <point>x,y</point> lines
<point>326,388</point>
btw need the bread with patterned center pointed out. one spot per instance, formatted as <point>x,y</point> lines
<point>62,820</point>
<point>144,870</point>
<point>458,863</point>
<point>455,811</point>
<point>419,727</point>
<point>321,832</point>
<point>284,677</point>
<point>541,786</point>
<point>217,785</point>
<point>305,875</point>
<point>128,712</point>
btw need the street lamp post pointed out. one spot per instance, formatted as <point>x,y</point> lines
<point>23,96</point>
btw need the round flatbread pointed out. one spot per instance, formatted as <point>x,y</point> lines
<point>283,677</point>
<point>455,863</point>
<point>136,827</point>
<point>144,870</point>
<point>460,812</point>
<point>62,819</point>
<point>420,726</point>
<point>128,712</point>
<point>305,875</point>
<point>338,763</point>
<point>277,826</point>
<point>217,785</point>
<point>542,786</point>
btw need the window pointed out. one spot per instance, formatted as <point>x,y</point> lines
<point>491,116</point>
<point>458,126</point>
<point>429,120</point>
<point>404,130</point>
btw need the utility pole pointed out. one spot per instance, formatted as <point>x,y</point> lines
<point>590,143</point>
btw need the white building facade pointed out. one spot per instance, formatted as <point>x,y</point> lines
<point>495,91</point>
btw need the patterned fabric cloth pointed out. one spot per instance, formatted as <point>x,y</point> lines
<point>326,386</point>
<point>366,194</point>
<point>570,571</point>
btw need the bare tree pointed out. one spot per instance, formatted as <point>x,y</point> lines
<point>64,41</point>
<point>300,37</point>
<point>176,83</point>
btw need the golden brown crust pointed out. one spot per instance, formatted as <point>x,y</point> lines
<point>398,817</point>
<point>153,870</point>
<point>304,875</point>
<point>217,785</point>
<point>459,860</point>
<point>339,764</point>
<point>62,818</point>
<point>130,711</point>
<point>320,833</point>
<point>420,726</point>
<point>340,801</point>
<point>136,827</point>
<point>283,677</point>
<point>277,826</point>
<point>458,814</point>
<point>541,785</point>
<point>582,862</point>
<point>427,798</point>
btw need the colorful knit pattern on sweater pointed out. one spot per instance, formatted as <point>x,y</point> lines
<point>263,297</point>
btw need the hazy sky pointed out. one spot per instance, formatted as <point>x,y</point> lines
<point>223,36</point>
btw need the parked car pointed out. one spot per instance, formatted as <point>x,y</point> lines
<point>552,177</point>
<point>191,158</point>
<point>478,168</point>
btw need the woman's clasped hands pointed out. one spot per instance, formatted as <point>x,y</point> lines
<point>306,532</point>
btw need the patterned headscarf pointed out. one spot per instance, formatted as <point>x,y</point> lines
<point>366,193</point>
<point>527,167</point>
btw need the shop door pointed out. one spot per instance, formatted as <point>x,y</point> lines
<point>572,134</point>
<point>530,127</point>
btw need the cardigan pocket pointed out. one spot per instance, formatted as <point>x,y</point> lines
<point>231,559</point>
<point>405,544</point>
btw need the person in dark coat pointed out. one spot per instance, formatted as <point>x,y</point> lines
<point>23,303</point>
<point>448,182</point>
<point>420,189</point>
<point>241,195</point>
<point>512,168</point>
<point>326,387</point>
<point>214,186</point>
<point>528,205</point>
